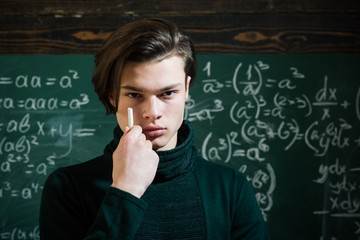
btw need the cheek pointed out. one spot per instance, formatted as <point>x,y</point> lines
<point>176,110</point>
<point>121,114</point>
<point>122,120</point>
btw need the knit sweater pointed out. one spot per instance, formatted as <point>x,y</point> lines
<point>190,198</point>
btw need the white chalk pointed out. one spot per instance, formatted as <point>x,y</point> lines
<point>130,117</point>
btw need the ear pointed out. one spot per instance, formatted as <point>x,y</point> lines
<point>187,86</point>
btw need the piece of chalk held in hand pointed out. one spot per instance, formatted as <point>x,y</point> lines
<point>130,118</point>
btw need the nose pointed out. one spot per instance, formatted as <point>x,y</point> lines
<point>152,109</point>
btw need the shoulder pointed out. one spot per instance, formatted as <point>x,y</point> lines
<point>227,194</point>
<point>93,166</point>
<point>82,173</point>
<point>225,188</point>
<point>217,175</point>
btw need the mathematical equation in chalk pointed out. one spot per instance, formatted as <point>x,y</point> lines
<point>251,115</point>
<point>24,134</point>
<point>18,233</point>
<point>44,125</point>
<point>49,104</point>
<point>8,190</point>
<point>344,194</point>
<point>265,109</point>
<point>344,188</point>
<point>23,81</point>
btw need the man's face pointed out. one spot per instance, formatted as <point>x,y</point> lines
<point>157,93</point>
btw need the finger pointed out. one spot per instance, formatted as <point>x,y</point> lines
<point>142,138</point>
<point>136,130</point>
<point>127,129</point>
<point>148,144</point>
<point>133,132</point>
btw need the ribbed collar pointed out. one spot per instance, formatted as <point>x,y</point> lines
<point>174,162</point>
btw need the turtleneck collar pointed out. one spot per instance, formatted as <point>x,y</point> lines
<point>174,162</point>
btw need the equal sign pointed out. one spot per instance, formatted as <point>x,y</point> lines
<point>84,132</point>
<point>267,112</point>
<point>6,80</point>
<point>239,153</point>
<point>50,81</point>
<point>15,193</point>
<point>64,103</point>
<point>228,84</point>
<point>270,83</point>
<point>300,136</point>
<point>21,103</point>
<point>29,171</point>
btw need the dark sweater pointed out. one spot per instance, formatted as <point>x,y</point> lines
<point>189,198</point>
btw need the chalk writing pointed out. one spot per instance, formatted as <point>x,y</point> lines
<point>36,104</point>
<point>289,124</point>
<point>18,233</point>
<point>37,81</point>
<point>7,190</point>
<point>37,133</point>
<point>253,114</point>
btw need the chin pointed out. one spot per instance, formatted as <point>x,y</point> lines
<point>163,143</point>
<point>159,145</point>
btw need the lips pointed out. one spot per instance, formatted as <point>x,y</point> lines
<point>153,131</point>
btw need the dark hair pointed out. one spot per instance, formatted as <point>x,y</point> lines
<point>142,40</point>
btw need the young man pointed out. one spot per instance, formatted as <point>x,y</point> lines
<point>150,183</point>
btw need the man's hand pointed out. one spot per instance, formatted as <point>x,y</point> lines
<point>134,162</point>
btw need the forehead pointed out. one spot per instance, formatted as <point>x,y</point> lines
<point>167,71</point>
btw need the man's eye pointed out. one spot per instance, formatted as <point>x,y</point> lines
<point>133,95</point>
<point>168,93</point>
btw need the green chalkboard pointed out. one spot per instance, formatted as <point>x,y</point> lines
<point>289,122</point>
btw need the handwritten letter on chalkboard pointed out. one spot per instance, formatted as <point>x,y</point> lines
<point>290,123</point>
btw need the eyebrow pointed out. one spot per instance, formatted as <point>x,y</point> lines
<point>164,89</point>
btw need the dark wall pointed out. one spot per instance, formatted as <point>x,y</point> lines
<point>243,26</point>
